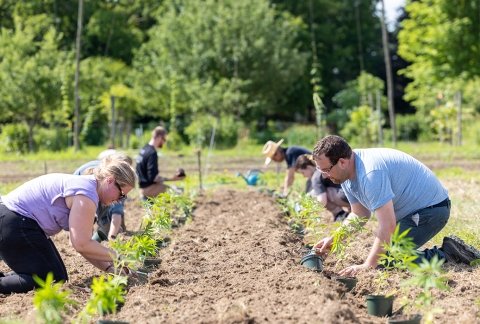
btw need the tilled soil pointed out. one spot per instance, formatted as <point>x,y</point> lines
<point>237,261</point>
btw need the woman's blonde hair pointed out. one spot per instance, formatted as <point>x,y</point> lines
<point>117,156</point>
<point>121,171</point>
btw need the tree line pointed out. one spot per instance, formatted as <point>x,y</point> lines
<point>232,64</point>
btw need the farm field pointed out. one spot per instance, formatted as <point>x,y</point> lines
<point>237,260</point>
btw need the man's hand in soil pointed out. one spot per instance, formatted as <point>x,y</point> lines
<point>323,247</point>
<point>353,270</point>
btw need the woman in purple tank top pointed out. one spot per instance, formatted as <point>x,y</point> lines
<point>42,207</point>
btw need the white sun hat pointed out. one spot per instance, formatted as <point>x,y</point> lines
<point>269,150</point>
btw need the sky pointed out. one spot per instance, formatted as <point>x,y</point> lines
<point>390,10</point>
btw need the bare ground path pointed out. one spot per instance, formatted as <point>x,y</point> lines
<point>236,262</point>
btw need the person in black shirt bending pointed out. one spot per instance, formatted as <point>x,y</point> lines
<point>150,181</point>
<point>274,152</point>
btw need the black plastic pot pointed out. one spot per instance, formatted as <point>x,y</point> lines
<point>404,319</point>
<point>349,282</point>
<point>161,243</point>
<point>151,262</point>
<point>379,305</point>
<point>312,261</point>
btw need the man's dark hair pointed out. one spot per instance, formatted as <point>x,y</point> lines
<point>303,161</point>
<point>333,147</point>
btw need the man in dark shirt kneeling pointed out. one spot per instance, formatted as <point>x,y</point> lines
<point>150,182</point>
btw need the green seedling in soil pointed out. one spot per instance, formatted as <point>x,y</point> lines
<point>107,293</point>
<point>183,204</point>
<point>159,213</point>
<point>50,300</point>
<point>382,285</point>
<point>428,276</point>
<point>145,246</point>
<point>308,214</point>
<point>132,252</point>
<point>400,253</point>
<point>308,211</point>
<point>342,236</point>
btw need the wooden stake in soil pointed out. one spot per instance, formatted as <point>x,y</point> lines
<point>199,158</point>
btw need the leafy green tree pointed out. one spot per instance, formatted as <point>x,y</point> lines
<point>102,79</point>
<point>29,71</point>
<point>246,46</point>
<point>347,33</point>
<point>441,39</point>
<point>360,120</point>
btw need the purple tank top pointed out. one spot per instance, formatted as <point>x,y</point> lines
<point>43,199</point>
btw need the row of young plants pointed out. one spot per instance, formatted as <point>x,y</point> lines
<point>421,278</point>
<point>135,256</point>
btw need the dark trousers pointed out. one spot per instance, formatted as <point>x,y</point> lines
<point>425,224</point>
<point>26,250</point>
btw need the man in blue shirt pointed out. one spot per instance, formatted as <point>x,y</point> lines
<point>398,189</point>
<point>274,152</point>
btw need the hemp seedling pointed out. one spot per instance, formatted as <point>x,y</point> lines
<point>107,293</point>
<point>342,236</point>
<point>427,276</point>
<point>400,253</point>
<point>50,300</point>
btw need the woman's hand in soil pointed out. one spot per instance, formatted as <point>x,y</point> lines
<point>323,247</point>
<point>353,270</point>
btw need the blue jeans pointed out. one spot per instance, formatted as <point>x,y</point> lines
<point>27,250</point>
<point>425,224</point>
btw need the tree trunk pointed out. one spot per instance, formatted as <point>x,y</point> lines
<point>388,70</point>
<point>113,122</point>
<point>379,116</point>
<point>359,35</point>
<point>76,128</point>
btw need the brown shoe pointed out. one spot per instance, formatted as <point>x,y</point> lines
<point>456,250</point>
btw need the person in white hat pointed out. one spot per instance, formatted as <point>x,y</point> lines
<point>274,152</point>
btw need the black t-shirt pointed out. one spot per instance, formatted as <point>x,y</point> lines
<point>292,153</point>
<point>147,166</point>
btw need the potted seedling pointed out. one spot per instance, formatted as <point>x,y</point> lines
<point>183,207</point>
<point>50,300</point>
<point>427,276</point>
<point>342,238</point>
<point>146,250</point>
<point>399,254</point>
<point>107,294</point>
<point>306,217</point>
<point>380,303</point>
